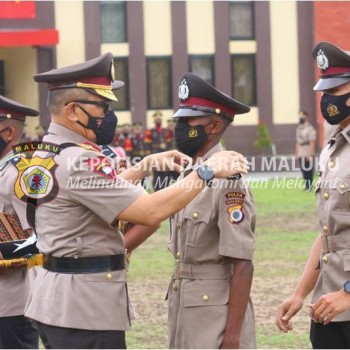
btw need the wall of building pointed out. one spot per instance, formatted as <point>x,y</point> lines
<point>331,23</point>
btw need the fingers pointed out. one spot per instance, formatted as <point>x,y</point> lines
<point>282,320</point>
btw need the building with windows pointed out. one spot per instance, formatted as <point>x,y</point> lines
<point>258,52</point>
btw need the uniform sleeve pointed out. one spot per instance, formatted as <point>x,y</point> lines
<point>96,185</point>
<point>236,221</point>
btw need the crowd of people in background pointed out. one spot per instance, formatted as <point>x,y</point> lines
<point>133,142</point>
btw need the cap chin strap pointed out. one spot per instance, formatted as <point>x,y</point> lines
<point>209,110</point>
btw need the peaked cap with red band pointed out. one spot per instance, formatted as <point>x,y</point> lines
<point>334,65</point>
<point>199,98</point>
<point>10,109</point>
<point>96,76</point>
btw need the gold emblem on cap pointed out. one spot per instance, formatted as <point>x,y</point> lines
<point>322,60</point>
<point>332,110</point>
<point>192,133</point>
<point>8,116</point>
<point>217,111</point>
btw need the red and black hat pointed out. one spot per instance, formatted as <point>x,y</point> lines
<point>96,76</point>
<point>334,65</point>
<point>199,98</point>
<point>10,109</point>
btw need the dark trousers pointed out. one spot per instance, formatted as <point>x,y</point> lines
<point>306,167</point>
<point>335,335</point>
<point>71,338</point>
<point>18,332</point>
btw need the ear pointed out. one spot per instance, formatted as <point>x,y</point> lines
<point>10,133</point>
<point>217,126</point>
<point>71,111</point>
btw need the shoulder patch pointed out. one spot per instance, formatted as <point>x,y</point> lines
<point>235,214</point>
<point>235,197</point>
<point>102,166</point>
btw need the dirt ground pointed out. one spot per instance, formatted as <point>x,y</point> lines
<point>267,293</point>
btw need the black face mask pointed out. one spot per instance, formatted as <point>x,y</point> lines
<point>3,143</point>
<point>301,120</point>
<point>334,108</point>
<point>189,139</point>
<point>104,128</point>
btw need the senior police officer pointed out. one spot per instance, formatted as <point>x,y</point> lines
<point>327,271</point>
<point>80,297</point>
<point>16,331</point>
<point>212,239</point>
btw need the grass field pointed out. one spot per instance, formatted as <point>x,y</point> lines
<point>286,228</point>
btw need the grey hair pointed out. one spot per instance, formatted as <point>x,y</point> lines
<point>57,99</point>
<point>18,125</point>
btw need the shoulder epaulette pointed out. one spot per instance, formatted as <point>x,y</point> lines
<point>11,158</point>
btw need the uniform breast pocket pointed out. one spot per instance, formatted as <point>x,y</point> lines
<point>197,226</point>
<point>340,196</point>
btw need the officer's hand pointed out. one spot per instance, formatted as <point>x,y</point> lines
<point>330,305</point>
<point>169,160</point>
<point>227,163</point>
<point>286,311</point>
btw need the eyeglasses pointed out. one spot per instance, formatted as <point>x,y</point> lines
<point>105,105</point>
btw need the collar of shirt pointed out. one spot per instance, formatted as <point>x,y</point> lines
<point>215,149</point>
<point>346,133</point>
<point>66,133</point>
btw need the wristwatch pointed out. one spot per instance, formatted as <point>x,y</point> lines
<point>206,173</point>
<point>347,287</point>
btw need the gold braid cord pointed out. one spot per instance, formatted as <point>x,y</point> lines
<point>35,260</point>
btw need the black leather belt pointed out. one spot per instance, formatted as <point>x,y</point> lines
<point>91,264</point>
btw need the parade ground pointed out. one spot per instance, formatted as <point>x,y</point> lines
<point>286,228</point>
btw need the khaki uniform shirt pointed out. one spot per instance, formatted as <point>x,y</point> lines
<point>15,284</point>
<point>219,223</point>
<point>81,222</point>
<point>304,134</point>
<point>333,202</point>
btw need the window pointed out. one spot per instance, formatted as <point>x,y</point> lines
<point>243,78</point>
<point>159,82</point>
<point>242,20</point>
<point>121,73</point>
<point>203,67</point>
<point>113,21</point>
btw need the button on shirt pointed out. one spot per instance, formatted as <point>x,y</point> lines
<point>333,202</point>
<point>81,222</point>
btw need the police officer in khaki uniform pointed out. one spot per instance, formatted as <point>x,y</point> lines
<point>16,331</point>
<point>305,148</point>
<point>327,272</point>
<point>80,298</point>
<point>212,239</point>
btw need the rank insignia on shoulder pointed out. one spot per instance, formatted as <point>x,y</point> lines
<point>90,147</point>
<point>235,214</point>
<point>102,166</point>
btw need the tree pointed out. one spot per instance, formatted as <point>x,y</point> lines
<point>263,138</point>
